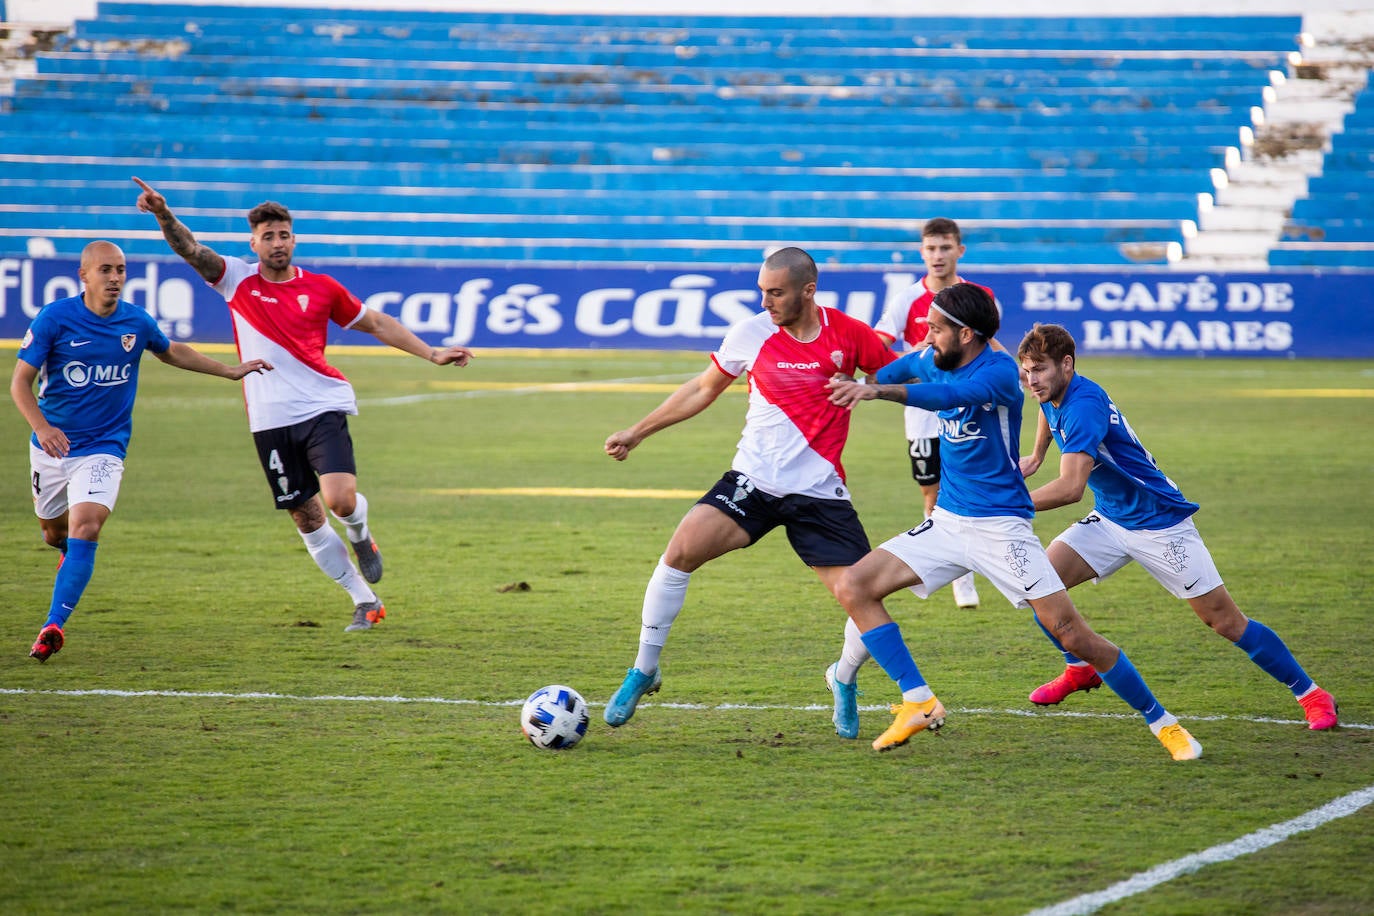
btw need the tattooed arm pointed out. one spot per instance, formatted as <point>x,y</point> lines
<point>205,261</point>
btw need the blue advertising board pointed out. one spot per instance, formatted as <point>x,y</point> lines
<point>1289,314</point>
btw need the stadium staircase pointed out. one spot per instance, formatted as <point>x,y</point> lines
<point>617,139</point>
<point>1301,137</point>
<point>1331,224</point>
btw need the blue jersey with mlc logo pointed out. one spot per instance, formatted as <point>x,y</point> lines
<point>88,371</point>
<point>1128,486</point>
<point>979,406</point>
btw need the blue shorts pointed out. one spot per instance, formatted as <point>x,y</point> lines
<point>823,532</point>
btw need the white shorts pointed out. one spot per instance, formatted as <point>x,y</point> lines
<point>1003,548</point>
<point>59,483</point>
<point>920,423</point>
<point>1175,557</point>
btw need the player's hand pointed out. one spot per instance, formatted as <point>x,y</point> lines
<point>444,356</point>
<point>52,441</point>
<point>253,365</point>
<point>618,445</point>
<point>1029,465</point>
<point>848,393</point>
<point>151,201</point>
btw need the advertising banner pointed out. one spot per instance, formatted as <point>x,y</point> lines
<point>1286,314</point>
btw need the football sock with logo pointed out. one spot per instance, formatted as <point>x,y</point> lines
<point>357,522</point>
<point>853,655</point>
<point>663,599</point>
<point>71,580</point>
<point>888,649</point>
<point>1069,657</point>
<point>1127,683</point>
<point>1267,650</point>
<point>331,556</point>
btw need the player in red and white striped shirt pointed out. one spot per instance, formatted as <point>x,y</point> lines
<point>298,418</point>
<point>786,472</point>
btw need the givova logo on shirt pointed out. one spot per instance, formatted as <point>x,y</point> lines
<point>79,375</point>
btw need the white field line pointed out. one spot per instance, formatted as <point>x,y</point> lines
<point>1077,906</point>
<point>720,707</point>
<point>1243,846</point>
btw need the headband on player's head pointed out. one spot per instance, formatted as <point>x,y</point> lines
<point>947,315</point>
<point>968,306</point>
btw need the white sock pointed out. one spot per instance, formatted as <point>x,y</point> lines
<point>852,656</point>
<point>357,522</point>
<point>330,554</point>
<point>922,694</point>
<point>1163,722</point>
<point>663,600</point>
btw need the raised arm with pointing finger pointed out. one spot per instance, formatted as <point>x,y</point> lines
<point>298,415</point>
<point>206,262</point>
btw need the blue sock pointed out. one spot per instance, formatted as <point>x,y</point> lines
<point>888,649</point>
<point>72,579</point>
<point>1069,657</point>
<point>1127,683</point>
<point>1269,652</point>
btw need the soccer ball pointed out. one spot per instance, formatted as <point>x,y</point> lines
<point>554,718</point>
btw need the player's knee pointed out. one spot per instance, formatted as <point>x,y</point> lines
<point>343,505</point>
<point>1075,640</point>
<point>1219,612</point>
<point>1071,630</point>
<point>339,497</point>
<point>851,590</point>
<point>683,558</point>
<point>86,531</point>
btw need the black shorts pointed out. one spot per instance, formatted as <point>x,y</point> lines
<point>823,532</point>
<point>925,460</point>
<point>294,456</point>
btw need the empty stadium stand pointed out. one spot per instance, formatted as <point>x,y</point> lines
<point>583,139</point>
<point>1333,226</point>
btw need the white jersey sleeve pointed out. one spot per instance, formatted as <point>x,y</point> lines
<point>892,322</point>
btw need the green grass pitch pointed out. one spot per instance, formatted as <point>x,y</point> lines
<point>210,740</point>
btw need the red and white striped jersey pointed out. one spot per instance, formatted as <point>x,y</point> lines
<point>287,324</point>
<point>793,435</point>
<point>906,318</point>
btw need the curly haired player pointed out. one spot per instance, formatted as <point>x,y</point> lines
<point>298,417</point>
<point>1138,514</point>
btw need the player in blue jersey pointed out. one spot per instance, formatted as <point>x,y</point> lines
<point>84,352</point>
<point>1138,514</point>
<point>981,522</point>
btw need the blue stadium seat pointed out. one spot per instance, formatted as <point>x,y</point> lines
<point>604,138</point>
<point>1330,226</point>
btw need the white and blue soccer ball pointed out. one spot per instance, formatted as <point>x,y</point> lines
<point>554,718</point>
